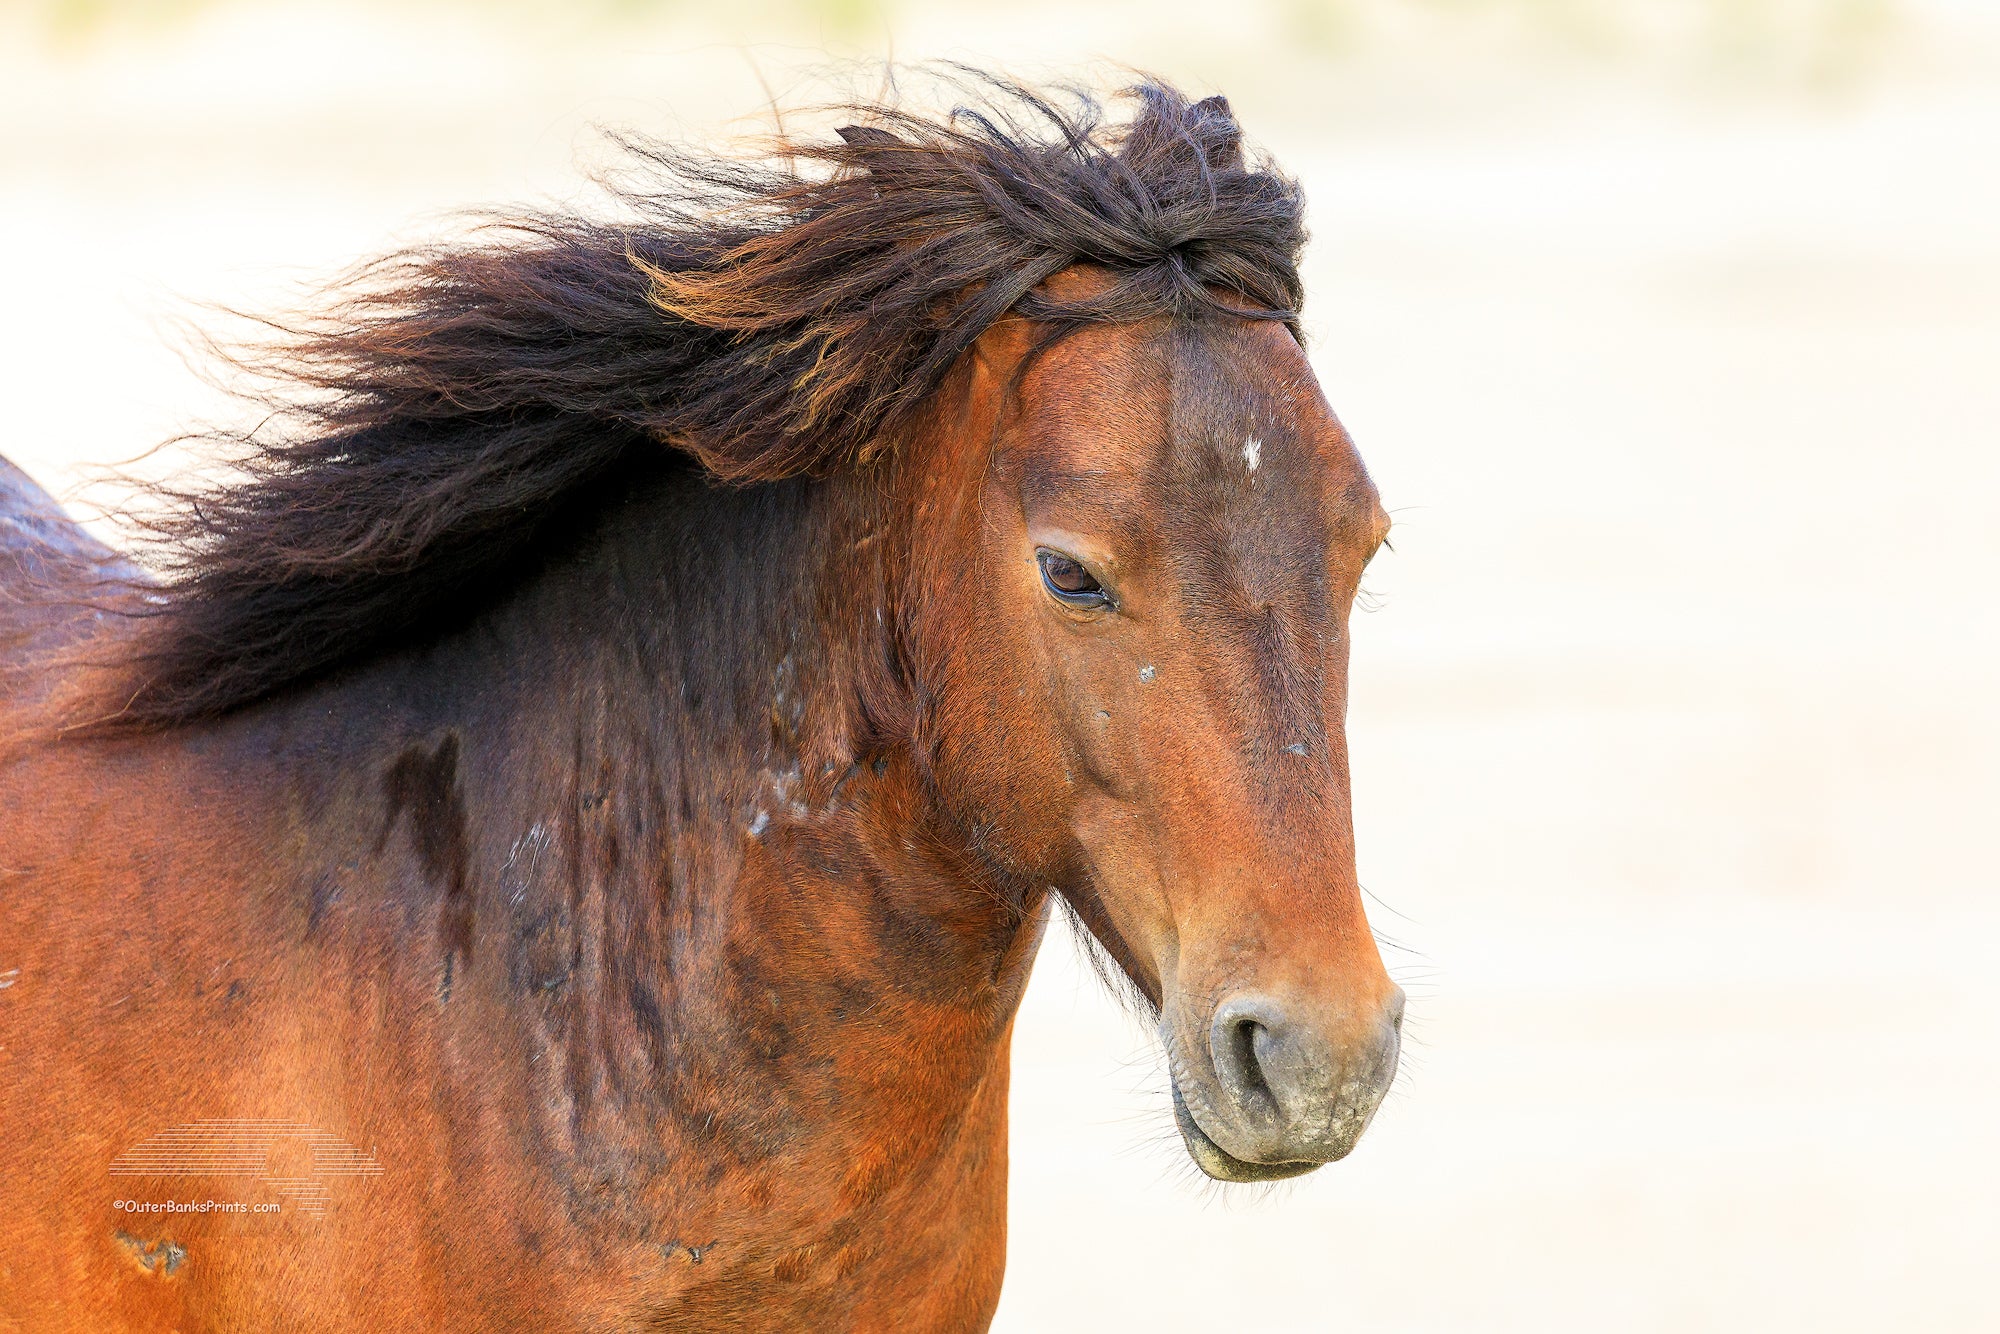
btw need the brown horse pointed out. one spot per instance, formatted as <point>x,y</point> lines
<point>569,817</point>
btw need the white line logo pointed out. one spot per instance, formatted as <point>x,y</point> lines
<point>293,1158</point>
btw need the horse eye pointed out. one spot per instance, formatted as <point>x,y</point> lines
<point>1069,582</point>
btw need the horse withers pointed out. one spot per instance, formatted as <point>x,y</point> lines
<point>558,833</point>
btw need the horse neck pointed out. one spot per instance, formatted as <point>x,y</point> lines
<point>706,833</point>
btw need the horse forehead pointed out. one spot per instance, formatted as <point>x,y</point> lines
<point>1239,386</point>
<point>1252,459</point>
<point>1193,413</point>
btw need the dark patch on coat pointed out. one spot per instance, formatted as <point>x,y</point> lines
<point>320,897</point>
<point>423,786</point>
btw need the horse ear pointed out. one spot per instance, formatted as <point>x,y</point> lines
<point>1216,129</point>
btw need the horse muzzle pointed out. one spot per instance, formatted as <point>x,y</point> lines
<point>1265,1094</point>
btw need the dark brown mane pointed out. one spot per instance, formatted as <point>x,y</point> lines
<point>766,317</point>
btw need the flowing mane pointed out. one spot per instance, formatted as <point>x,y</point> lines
<point>767,317</point>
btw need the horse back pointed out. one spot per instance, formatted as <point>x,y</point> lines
<point>59,586</point>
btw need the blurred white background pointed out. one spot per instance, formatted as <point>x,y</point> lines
<point>1671,331</point>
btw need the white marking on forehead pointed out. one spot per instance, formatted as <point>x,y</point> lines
<point>1253,450</point>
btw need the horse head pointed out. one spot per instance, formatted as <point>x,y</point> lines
<point>1136,552</point>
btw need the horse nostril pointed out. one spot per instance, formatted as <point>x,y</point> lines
<point>1243,1048</point>
<point>1241,1039</point>
<point>1294,1086</point>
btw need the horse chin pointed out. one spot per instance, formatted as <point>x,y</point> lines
<point>1218,1163</point>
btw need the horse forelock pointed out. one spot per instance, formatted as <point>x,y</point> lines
<point>768,316</point>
